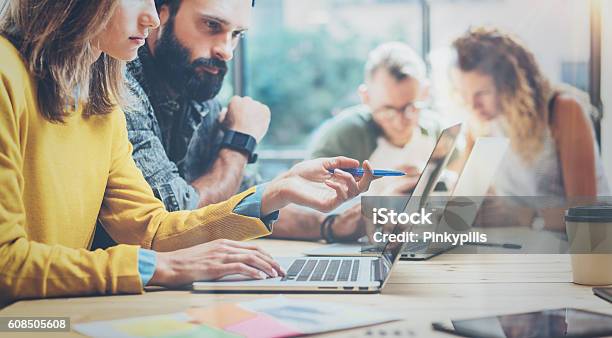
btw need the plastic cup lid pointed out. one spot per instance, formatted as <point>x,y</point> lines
<point>589,213</point>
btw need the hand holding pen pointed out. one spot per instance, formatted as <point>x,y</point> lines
<point>317,184</point>
<point>358,172</point>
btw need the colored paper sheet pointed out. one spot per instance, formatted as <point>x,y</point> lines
<point>310,316</point>
<point>220,316</point>
<point>265,317</point>
<point>206,331</point>
<point>263,326</point>
<point>145,327</point>
<point>158,327</point>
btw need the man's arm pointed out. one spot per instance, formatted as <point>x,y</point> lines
<point>216,185</point>
<point>295,222</point>
<point>160,173</point>
<point>131,214</point>
<point>222,180</point>
<point>246,116</point>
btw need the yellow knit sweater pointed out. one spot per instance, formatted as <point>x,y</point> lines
<point>57,179</point>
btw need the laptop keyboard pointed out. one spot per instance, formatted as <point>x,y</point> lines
<point>328,270</point>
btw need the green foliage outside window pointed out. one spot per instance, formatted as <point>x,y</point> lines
<point>303,77</point>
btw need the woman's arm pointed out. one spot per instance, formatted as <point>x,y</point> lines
<point>574,137</point>
<point>575,143</point>
<point>30,269</point>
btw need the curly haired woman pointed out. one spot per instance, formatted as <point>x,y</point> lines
<point>553,149</point>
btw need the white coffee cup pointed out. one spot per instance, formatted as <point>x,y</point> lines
<point>589,231</point>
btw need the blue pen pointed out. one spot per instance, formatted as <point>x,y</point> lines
<point>358,172</point>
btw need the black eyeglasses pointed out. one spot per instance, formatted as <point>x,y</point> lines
<point>410,109</point>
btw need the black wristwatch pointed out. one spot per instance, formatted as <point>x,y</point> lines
<point>240,142</point>
<point>327,232</point>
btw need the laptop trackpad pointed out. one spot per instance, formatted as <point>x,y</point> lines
<point>235,278</point>
<point>336,249</point>
<point>284,262</point>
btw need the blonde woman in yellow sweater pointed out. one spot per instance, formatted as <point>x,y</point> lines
<point>65,161</point>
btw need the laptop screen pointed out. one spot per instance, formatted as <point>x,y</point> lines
<point>425,185</point>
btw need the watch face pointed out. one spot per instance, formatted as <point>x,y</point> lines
<point>240,139</point>
<point>241,142</point>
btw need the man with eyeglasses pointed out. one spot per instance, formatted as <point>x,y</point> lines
<point>391,127</point>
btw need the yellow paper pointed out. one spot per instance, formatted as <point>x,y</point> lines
<point>155,327</point>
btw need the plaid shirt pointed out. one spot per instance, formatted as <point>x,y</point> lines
<point>175,140</point>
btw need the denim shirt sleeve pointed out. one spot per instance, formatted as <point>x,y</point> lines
<point>161,173</point>
<point>147,261</point>
<point>150,156</point>
<point>251,207</point>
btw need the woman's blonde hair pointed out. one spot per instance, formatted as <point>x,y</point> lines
<point>54,37</point>
<point>522,89</point>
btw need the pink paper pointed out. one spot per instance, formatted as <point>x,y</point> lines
<point>262,326</point>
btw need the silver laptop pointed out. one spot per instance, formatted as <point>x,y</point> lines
<point>436,164</point>
<point>337,274</point>
<point>366,274</point>
<point>473,183</point>
<point>317,274</point>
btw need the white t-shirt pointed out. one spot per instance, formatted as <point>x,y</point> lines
<point>388,156</point>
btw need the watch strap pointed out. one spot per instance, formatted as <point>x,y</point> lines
<point>240,142</point>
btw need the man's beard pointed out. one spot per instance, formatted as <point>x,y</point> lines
<point>182,74</point>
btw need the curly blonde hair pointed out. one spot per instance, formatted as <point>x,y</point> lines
<point>522,89</point>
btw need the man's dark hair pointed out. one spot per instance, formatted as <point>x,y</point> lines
<point>174,4</point>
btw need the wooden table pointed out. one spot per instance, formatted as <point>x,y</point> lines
<point>448,286</point>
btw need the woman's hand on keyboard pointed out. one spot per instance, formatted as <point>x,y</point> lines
<point>213,260</point>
